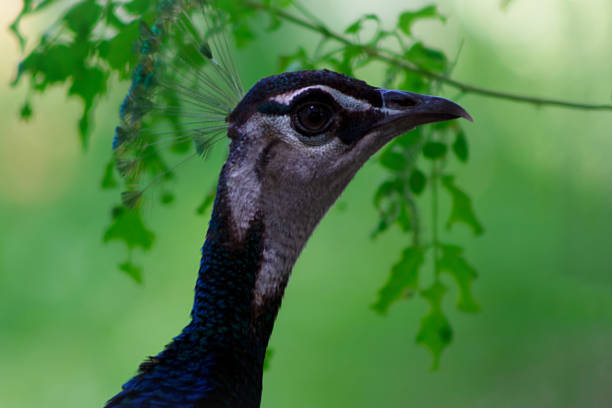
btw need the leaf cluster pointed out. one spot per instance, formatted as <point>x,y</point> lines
<point>83,49</point>
<point>415,164</point>
<point>94,42</point>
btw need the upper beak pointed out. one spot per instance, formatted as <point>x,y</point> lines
<point>407,110</point>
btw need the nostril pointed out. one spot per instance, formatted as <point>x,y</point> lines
<point>400,100</point>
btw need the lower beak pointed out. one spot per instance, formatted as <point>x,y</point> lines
<point>406,110</point>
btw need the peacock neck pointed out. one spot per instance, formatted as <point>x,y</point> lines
<point>232,262</point>
<point>259,225</point>
<point>232,319</point>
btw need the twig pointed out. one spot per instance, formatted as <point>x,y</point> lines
<point>435,243</point>
<point>387,56</point>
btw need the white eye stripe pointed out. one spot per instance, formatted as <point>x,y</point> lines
<point>346,101</point>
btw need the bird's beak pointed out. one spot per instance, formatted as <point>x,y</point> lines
<point>406,110</point>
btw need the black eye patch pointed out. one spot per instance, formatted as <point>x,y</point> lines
<point>350,126</point>
<point>274,108</point>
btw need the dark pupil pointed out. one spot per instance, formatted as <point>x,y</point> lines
<point>314,116</point>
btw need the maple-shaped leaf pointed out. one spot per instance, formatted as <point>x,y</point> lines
<point>427,58</point>
<point>435,331</point>
<point>408,18</point>
<point>108,180</point>
<point>461,210</point>
<point>453,263</point>
<point>131,270</point>
<point>128,227</point>
<point>404,278</point>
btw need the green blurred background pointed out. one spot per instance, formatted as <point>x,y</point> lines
<point>73,328</point>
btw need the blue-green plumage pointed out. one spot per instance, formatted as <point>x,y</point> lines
<point>217,359</point>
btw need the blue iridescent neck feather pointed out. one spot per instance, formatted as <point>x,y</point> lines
<point>217,360</point>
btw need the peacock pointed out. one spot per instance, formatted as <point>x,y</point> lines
<point>295,142</point>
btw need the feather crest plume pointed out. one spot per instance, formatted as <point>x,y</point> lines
<point>183,88</point>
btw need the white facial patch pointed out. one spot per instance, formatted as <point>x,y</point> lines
<point>346,101</point>
<point>279,127</point>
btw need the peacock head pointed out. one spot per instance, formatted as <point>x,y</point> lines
<point>308,132</point>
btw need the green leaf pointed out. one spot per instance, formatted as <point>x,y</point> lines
<point>118,50</point>
<point>460,147</point>
<point>243,34</point>
<point>54,64</point>
<point>396,212</point>
<point>26,111</point>
<point>444,126</point>
<point>387,189</point>
<point>434,150</point>
<point>207,202</point>
<point>59,63</point>
<point>393,160</point>
<point>128,227</point>
<point>139,7</point>
<point>132,271</point>
<point>167,198</point>
<point>88,83</point>
<point>382,226</point>
<point>414,83</point>
<point>404,218</point>
<point>267,359</point>
<point>84,127</point>
<point>404,279</point>
<point>277,3</point>
<point>349,55</point>
<point>461,210</point>
<point>29,7</point>
<point>409,139</point>
<point>417,181</point>
<point>14,27</point>
<point>341,206</point>
<point>82,17</point>
<point>435,331</point>
<point>392,207</point>
<point>427,58</point>
<point>111,18</point>
<point>236,10</point>
<point>387,216</point>
<point>408,18</point>
<point>453,263</point>
<point>372,17</point>
<point>275,22</point>
<point>358,25</point>
<point>109,181</point>
<point>297,61</point>
<point>354,28</point>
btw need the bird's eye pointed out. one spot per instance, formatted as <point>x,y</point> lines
<point>313,118</point>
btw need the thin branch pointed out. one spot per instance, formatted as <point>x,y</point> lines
<point>435,243</point>
<point>389,57</point>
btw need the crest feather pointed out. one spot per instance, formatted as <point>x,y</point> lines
<point>183,88</point>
